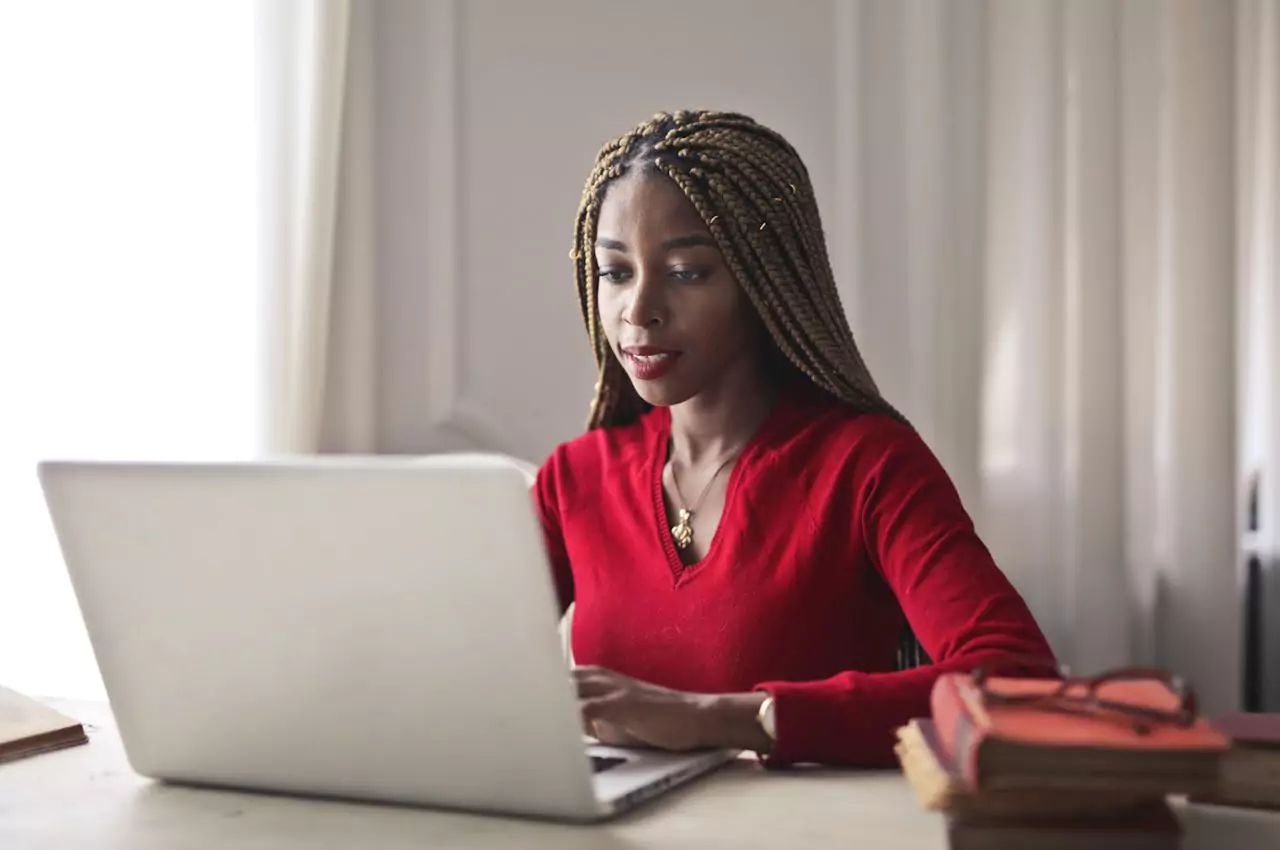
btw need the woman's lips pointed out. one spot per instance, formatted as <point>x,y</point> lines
<point>648,363</point>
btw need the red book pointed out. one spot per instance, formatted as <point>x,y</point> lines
<point>1013,732</point>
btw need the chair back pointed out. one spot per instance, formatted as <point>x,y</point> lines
<point>910,653</point>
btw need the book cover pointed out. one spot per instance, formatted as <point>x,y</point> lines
<point>28,727</point>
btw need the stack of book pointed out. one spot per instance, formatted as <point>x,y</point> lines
<point>1249,772</point>
<point>1060,762</point>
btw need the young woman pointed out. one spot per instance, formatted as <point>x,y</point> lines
<point>747,527</point>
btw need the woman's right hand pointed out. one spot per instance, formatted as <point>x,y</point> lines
<point>611,735</point>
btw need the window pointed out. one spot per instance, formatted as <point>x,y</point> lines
<point>129,307</point>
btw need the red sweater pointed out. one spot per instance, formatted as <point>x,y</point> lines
<point>835,524</point>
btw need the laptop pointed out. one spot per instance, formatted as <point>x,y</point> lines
<point>364,628</point>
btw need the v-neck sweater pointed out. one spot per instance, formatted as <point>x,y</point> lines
<point>836,524</point>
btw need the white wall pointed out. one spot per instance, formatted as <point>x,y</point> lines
<point>1028,208</point>
<point>489,117</point>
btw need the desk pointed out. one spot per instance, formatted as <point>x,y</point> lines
<point>87,798</point>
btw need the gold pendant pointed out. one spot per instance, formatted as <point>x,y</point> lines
<point>682,531</point>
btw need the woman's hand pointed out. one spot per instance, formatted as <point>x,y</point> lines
<point>622,711</point>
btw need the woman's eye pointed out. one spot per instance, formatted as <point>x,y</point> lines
<point>685,273</point>
<point>614,275</point>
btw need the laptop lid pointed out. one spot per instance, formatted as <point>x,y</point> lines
<point>361,627</point>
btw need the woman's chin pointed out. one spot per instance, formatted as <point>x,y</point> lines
<point>660,393</point>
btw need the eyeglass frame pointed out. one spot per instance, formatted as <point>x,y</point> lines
<point>1059,698</point>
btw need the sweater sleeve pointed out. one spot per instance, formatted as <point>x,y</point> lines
<point>546,497</point>
<point>960,605</point>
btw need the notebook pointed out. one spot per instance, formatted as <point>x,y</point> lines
<point>28,727</point>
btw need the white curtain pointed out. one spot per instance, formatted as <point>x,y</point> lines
<point>316,263</point>
<point>1045,278</point>
<point>1258,314</point>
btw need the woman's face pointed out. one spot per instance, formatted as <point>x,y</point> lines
<point>672,311</point>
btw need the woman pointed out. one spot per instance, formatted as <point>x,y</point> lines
<point>747,521</point>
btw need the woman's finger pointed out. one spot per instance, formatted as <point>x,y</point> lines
<point>595,682</point>
<point>614,735</point>
<point>587,674</point>
<point>588,688</point>
<point>602,707</point>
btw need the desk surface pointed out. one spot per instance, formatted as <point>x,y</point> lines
<point>87,797</point>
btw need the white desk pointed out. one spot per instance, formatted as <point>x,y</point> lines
<point>87,797</point>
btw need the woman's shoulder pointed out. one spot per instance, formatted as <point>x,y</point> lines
<point>609,444</point>
<point>819,427</point>
<point>600,454</point>
<point>843,457</point>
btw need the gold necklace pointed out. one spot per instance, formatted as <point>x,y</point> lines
<point>682,531</point>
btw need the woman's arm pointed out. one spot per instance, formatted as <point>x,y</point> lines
<point>960,605</point>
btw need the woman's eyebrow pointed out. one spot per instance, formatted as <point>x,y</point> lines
<point>691,241</point>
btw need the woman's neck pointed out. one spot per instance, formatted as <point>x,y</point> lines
<point>720,421</point>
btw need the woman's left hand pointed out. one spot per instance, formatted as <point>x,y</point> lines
<point>623,711</point>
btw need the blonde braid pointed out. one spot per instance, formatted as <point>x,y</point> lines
<point>753,192</point>
<point>755,167</point>
<point>778,320</point>
<point>765,153</point>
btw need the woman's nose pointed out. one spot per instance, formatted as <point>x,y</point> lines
<point>646,307</point>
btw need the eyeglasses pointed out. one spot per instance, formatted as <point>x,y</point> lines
<point>1080,695</point>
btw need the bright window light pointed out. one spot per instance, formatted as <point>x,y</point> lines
<point>129,308</point>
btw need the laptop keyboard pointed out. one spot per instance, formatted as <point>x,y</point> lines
<point>599,764</point>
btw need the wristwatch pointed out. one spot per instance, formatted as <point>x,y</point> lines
<point>765,717</point>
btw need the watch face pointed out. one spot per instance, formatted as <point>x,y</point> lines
<point>767,721</point>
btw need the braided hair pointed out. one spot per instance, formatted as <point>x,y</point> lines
<point>753,192</point>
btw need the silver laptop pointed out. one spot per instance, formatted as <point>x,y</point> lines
<point>366,628</point>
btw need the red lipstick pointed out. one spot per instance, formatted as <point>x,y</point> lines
<point>649,363</point>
